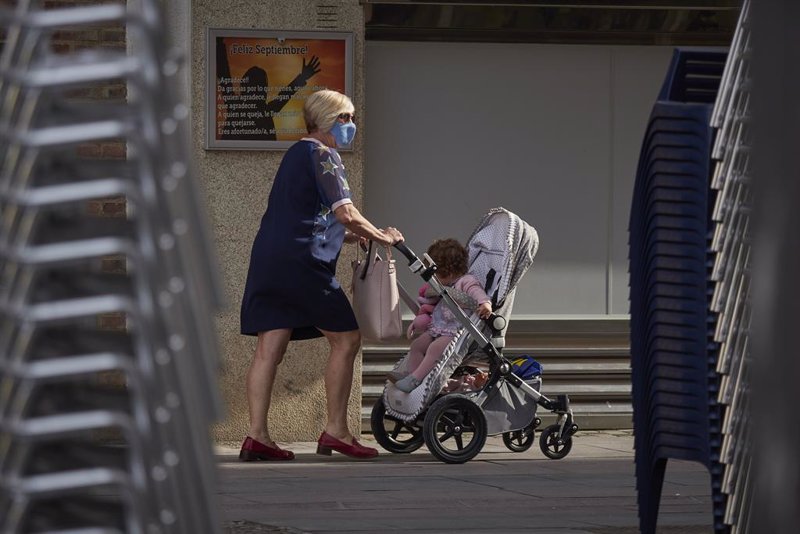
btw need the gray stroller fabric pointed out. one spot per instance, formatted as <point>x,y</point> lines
<point>501,250</point>
<point>507,408</point>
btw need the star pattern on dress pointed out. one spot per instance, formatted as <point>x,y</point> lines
<point>324,211</point>
<point>345,184</point>
<point>324,149</point>
<point>329,167</point>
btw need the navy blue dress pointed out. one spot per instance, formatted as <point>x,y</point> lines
<point>291,281</point>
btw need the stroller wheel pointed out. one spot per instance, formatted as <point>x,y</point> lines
<point>455,429</point>
<point>519,440</point>
<point>393,434</point>
<point>552,445</point>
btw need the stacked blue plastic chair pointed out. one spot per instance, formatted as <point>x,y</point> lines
<point>674,385</point>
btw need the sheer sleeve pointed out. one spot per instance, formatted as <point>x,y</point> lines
<point>472,287</point>
<point>331,180</point>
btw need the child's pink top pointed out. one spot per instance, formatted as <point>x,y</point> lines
<point>469,294</point>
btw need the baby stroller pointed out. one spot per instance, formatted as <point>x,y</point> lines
<point>454,425</point>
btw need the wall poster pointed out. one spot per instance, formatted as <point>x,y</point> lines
<point>259,79</point>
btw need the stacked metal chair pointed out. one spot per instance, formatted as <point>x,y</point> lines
<point>59,468</point>
<point>674,387</point>
<point>731,274</point>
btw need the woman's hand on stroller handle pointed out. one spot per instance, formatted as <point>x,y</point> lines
<point>394,235</point>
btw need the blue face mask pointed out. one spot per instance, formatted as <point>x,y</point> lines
<point>343,133</point>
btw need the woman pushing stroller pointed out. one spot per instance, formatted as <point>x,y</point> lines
<point>440,329</point>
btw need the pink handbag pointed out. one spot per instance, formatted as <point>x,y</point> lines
<point>376,300</point>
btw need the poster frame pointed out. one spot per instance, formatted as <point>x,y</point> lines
<point>211,143</point>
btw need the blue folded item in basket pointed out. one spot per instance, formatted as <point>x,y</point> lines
<point>526,367</point>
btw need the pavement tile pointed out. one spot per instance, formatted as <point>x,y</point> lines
<point>592,491</point>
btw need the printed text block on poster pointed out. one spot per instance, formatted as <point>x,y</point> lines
<point>259,79</point>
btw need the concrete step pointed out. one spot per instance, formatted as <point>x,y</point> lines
<point>575,391</point>
<point>588,415</point>
<point>589,360</point>
<point>513,351</point>
<point>581,368</point>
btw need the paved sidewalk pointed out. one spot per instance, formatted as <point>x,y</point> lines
<point>590,491</point>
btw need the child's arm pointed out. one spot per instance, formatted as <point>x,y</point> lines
<point>470,285</point>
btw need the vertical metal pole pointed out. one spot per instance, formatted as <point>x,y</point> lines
<point>776,239</point>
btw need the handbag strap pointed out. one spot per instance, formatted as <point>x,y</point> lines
<point>368,261</point>
<point>372,257</point>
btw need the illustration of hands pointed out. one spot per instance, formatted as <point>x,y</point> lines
<point>309,69</point>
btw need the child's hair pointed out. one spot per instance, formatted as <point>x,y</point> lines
<point>450,257</point>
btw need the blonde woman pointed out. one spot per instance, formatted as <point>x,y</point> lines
<point>291,291</point>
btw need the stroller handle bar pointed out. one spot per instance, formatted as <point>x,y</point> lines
<point>414,263</point>
<point>407,252</point>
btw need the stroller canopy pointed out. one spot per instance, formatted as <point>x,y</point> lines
<point>501,250</point>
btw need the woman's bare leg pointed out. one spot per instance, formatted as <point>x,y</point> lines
<point>339,380</point>
<point>261,377</point>
<point>432,355</point>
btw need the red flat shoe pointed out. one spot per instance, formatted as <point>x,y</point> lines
<point>255,450</point>
<point>328,443</point>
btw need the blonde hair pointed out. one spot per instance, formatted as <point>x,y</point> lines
<point>323,107</point>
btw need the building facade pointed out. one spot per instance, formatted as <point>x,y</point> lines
<point>464,108</point>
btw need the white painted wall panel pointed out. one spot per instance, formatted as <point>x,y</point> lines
<point>454,129</point>
<point>637,75</point>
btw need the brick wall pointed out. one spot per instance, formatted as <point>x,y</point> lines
<point>109,37</point>
<point>105,37</point>
<point>112,38</point>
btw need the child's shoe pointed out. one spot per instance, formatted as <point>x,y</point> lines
<point>407,384</point>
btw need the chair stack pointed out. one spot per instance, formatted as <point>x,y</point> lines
<point>101,431</point>
<point>731,274</point>
<point>673,382</point>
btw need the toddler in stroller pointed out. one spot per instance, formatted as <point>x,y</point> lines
<point>451,262</point>
<point>454,425</point>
